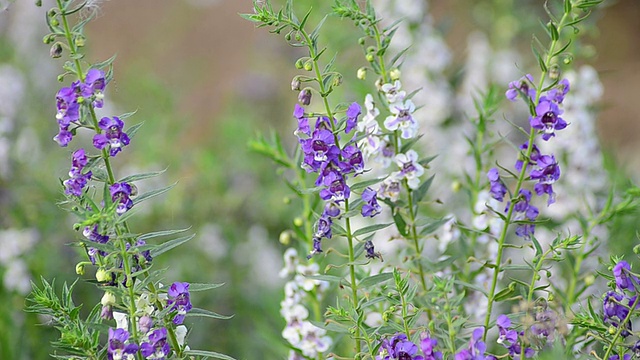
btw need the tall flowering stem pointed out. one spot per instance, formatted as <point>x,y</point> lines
<point>554,29</point>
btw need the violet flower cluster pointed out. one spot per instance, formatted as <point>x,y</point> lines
<point>542,168</point>
<point>618,303</point>
<point>153,339</point>
<point>399,347</point>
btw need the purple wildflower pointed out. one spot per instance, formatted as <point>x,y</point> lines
<point>410,168</point>
<point>617,357</point>
<point>353,112</point>
<point>120,194</point>
<point>401,118</point>
<point>353,160</point>
<point>95,82</point>
<point>113,135</point>
<point>621,273</point>
<point>509,338</point>
<point>476,348</point>
<point>547,174</point>
<point>117,347</point>
<point>614,311</point>
<point>337,189</point>
<point>77,181</point>
<point>390,187</point>
<point>370,207</point>
<point>558,93</point>
<point>319,149</point>
<point>427,346</point>
<point>331,209</point>
<point>524,211</point>
<point>303,122</point>
<point>371,251</point>
<point>522,86</point>
<point>92,234</point>
<point>547,118</point>
<point>498,189</point>
<point>156,347</point>
<point>179,300</point>
<point>399,348</point>
<point>145,323</point>
<point>304,96</point>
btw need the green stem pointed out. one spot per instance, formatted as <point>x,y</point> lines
<point>621,327</point>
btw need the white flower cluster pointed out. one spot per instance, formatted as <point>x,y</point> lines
<point>309,339</point>
<point>15,243</point>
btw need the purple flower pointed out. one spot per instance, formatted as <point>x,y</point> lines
<point>547,174</point>
<point>157,347</point>
<point>120,194</point>
<point>304,97</point>
<point>390,187</point>
<point>331,209</point>
<point>614,311</point>
<point>92,234</point>
<point>78,180</point>
<point>547,118</point>
<point>370,207</point>
<point>117,347</point>
<point>621,273</point>
<point>509,338</point>
<point>498,189</point>
<point>67,106</point>
<point>303,122</point>
<point>112,136</point>
<point>399,348</point>
<point>95,83</point>
<point>533,158</point>
<point>558,93</point>
<point>353,112</point>
<point>476,348</point>
<point>179,300</point>
<point>353,160</point>
<point>337,189</point>
<point>427,345</point>
<point>522,86</point>
<point>401,118</point>
<point>410,168</point>
<point>617,357</point>
<point>524,211</point>
<point>64,137</point>
<point>319,149</point>
<point>145,323</point>
<point>371,251</point>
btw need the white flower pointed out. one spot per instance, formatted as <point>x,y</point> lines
<point>290,262</point>
<point>410,168</point>
<point>393,92</point>
<point>121,320</point>
<point>402,119</point>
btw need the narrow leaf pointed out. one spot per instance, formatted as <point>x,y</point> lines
<point>166,246</point>
<point>370,228</point>
<point>152,193</point>
<point>208,354</point>
<point>196,312</point>
<point>375,279</point>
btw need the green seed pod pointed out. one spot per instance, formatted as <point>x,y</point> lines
<point>48,39</point>
<point>286,200</point>
<point>288,37</point>
<point>589,280</point>
<point>54,22</point>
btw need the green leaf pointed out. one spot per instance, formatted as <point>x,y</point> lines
<point>537,246</point>
<point>505,293</point>
<point>375,279</point>
<point>332,326</point>
<point>554,31</point>
<point>401,225</point>
<point>156,234</point>
<point>327,278</point>
<point>433,226</point>
<point>203,287</point>
<point>367,183</point>
<point>166,246</point>
<point>208,354</point>
<point>131,132</point>
<point>421,191</point>
<point>153,193</point>
<point>314,33</point>
<point>196,312</point>
<point>137,177</point>
<point>370,228</point>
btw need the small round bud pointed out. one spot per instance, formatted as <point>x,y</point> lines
<point>300,64</point>
<point>304,97</point>
<point>371,49</point>
<point>52,12</point>
<point>298,37</point>
<point>80,41</point>
<point>145,324</point>
<point>362,40</point>
<point>308,65</point>
<point>567,59</point>
<point>361,74</point>
<point>554,72</point>
<point>38,3</point>
<point>370,57</point>
<point>80,99</point>
<point>286,200</point>
<point>102,275</point>
<point>395,74</point>
<point>295,83</point>
<point>108,299</point>
<point>285,237</point>
<point>636,249</point>
<point>298,221</point>
<point>337,81</point>
<point>447,307</point>
<point>54,22</point>
<point>48,39</point>
<point>80,268</point>
<point>56,50</point>
<point>589,280</point>
<point>61,78</point>
<point>612,330</point>
<point>550,298</point>
<point>363,22</point>
<point>288,37</point>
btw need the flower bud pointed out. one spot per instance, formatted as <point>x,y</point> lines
<point>80,269</point>
<point>288,37</point>
<point>362,73</point>
<point>456,186</point>
<point>589,280</point>
<point>337,81</point>
<point>102,275</point>
<point>56,50</point>
<point>38,3</point>
<point>48,39</point>
<point>298,221</point>
<point>308,65</point>
<point>286,200</point>
<point>304,97</point>
<point>370,57</point>
<point>285,237</point>
<point>145,324</point>
<point>612,330</point>
<point>395,74</point>
<point>567,59</point>
<point>295,83</point>
<point>362,40</point>
<point>298,37</point>
<point>52,12</point>
<point>554,72</point>
<point>79,41</point>
<point>108,299</point>
<point>636,249</point>
<point>299,63</point>
<point>54,22</point>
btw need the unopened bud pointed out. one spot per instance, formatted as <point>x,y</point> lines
<point>285,237</point>
<point>54,22</point>
<point>304,97</point>
<point>589,280</point>
<point>80,41</point>
<point>56,50</point>
<point>80,269</point>
<point>145,324</point>
<point>370,57</point>
<point>102,275</point>
<point>288,37</point>
<point>636,249</point>
<point>286,200</point>
<point>456,186</point>
<point>554,72</point>
<point>337,81</point>
<point>362,73</point>
<point>48,39</point>
<point>308,65</point>
<point>567,60</point>
<point>108,299</point>
<point>298,37</point>
<point>612,330</point>
<point>299,63</point>
<point>295,84</point>
<point>362,40</point>
<point>395,74</point>
<point>298,221</point>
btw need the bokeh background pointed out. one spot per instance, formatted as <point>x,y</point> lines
<point>205,82</point>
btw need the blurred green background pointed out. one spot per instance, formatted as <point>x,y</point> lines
<point>205,82</point>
